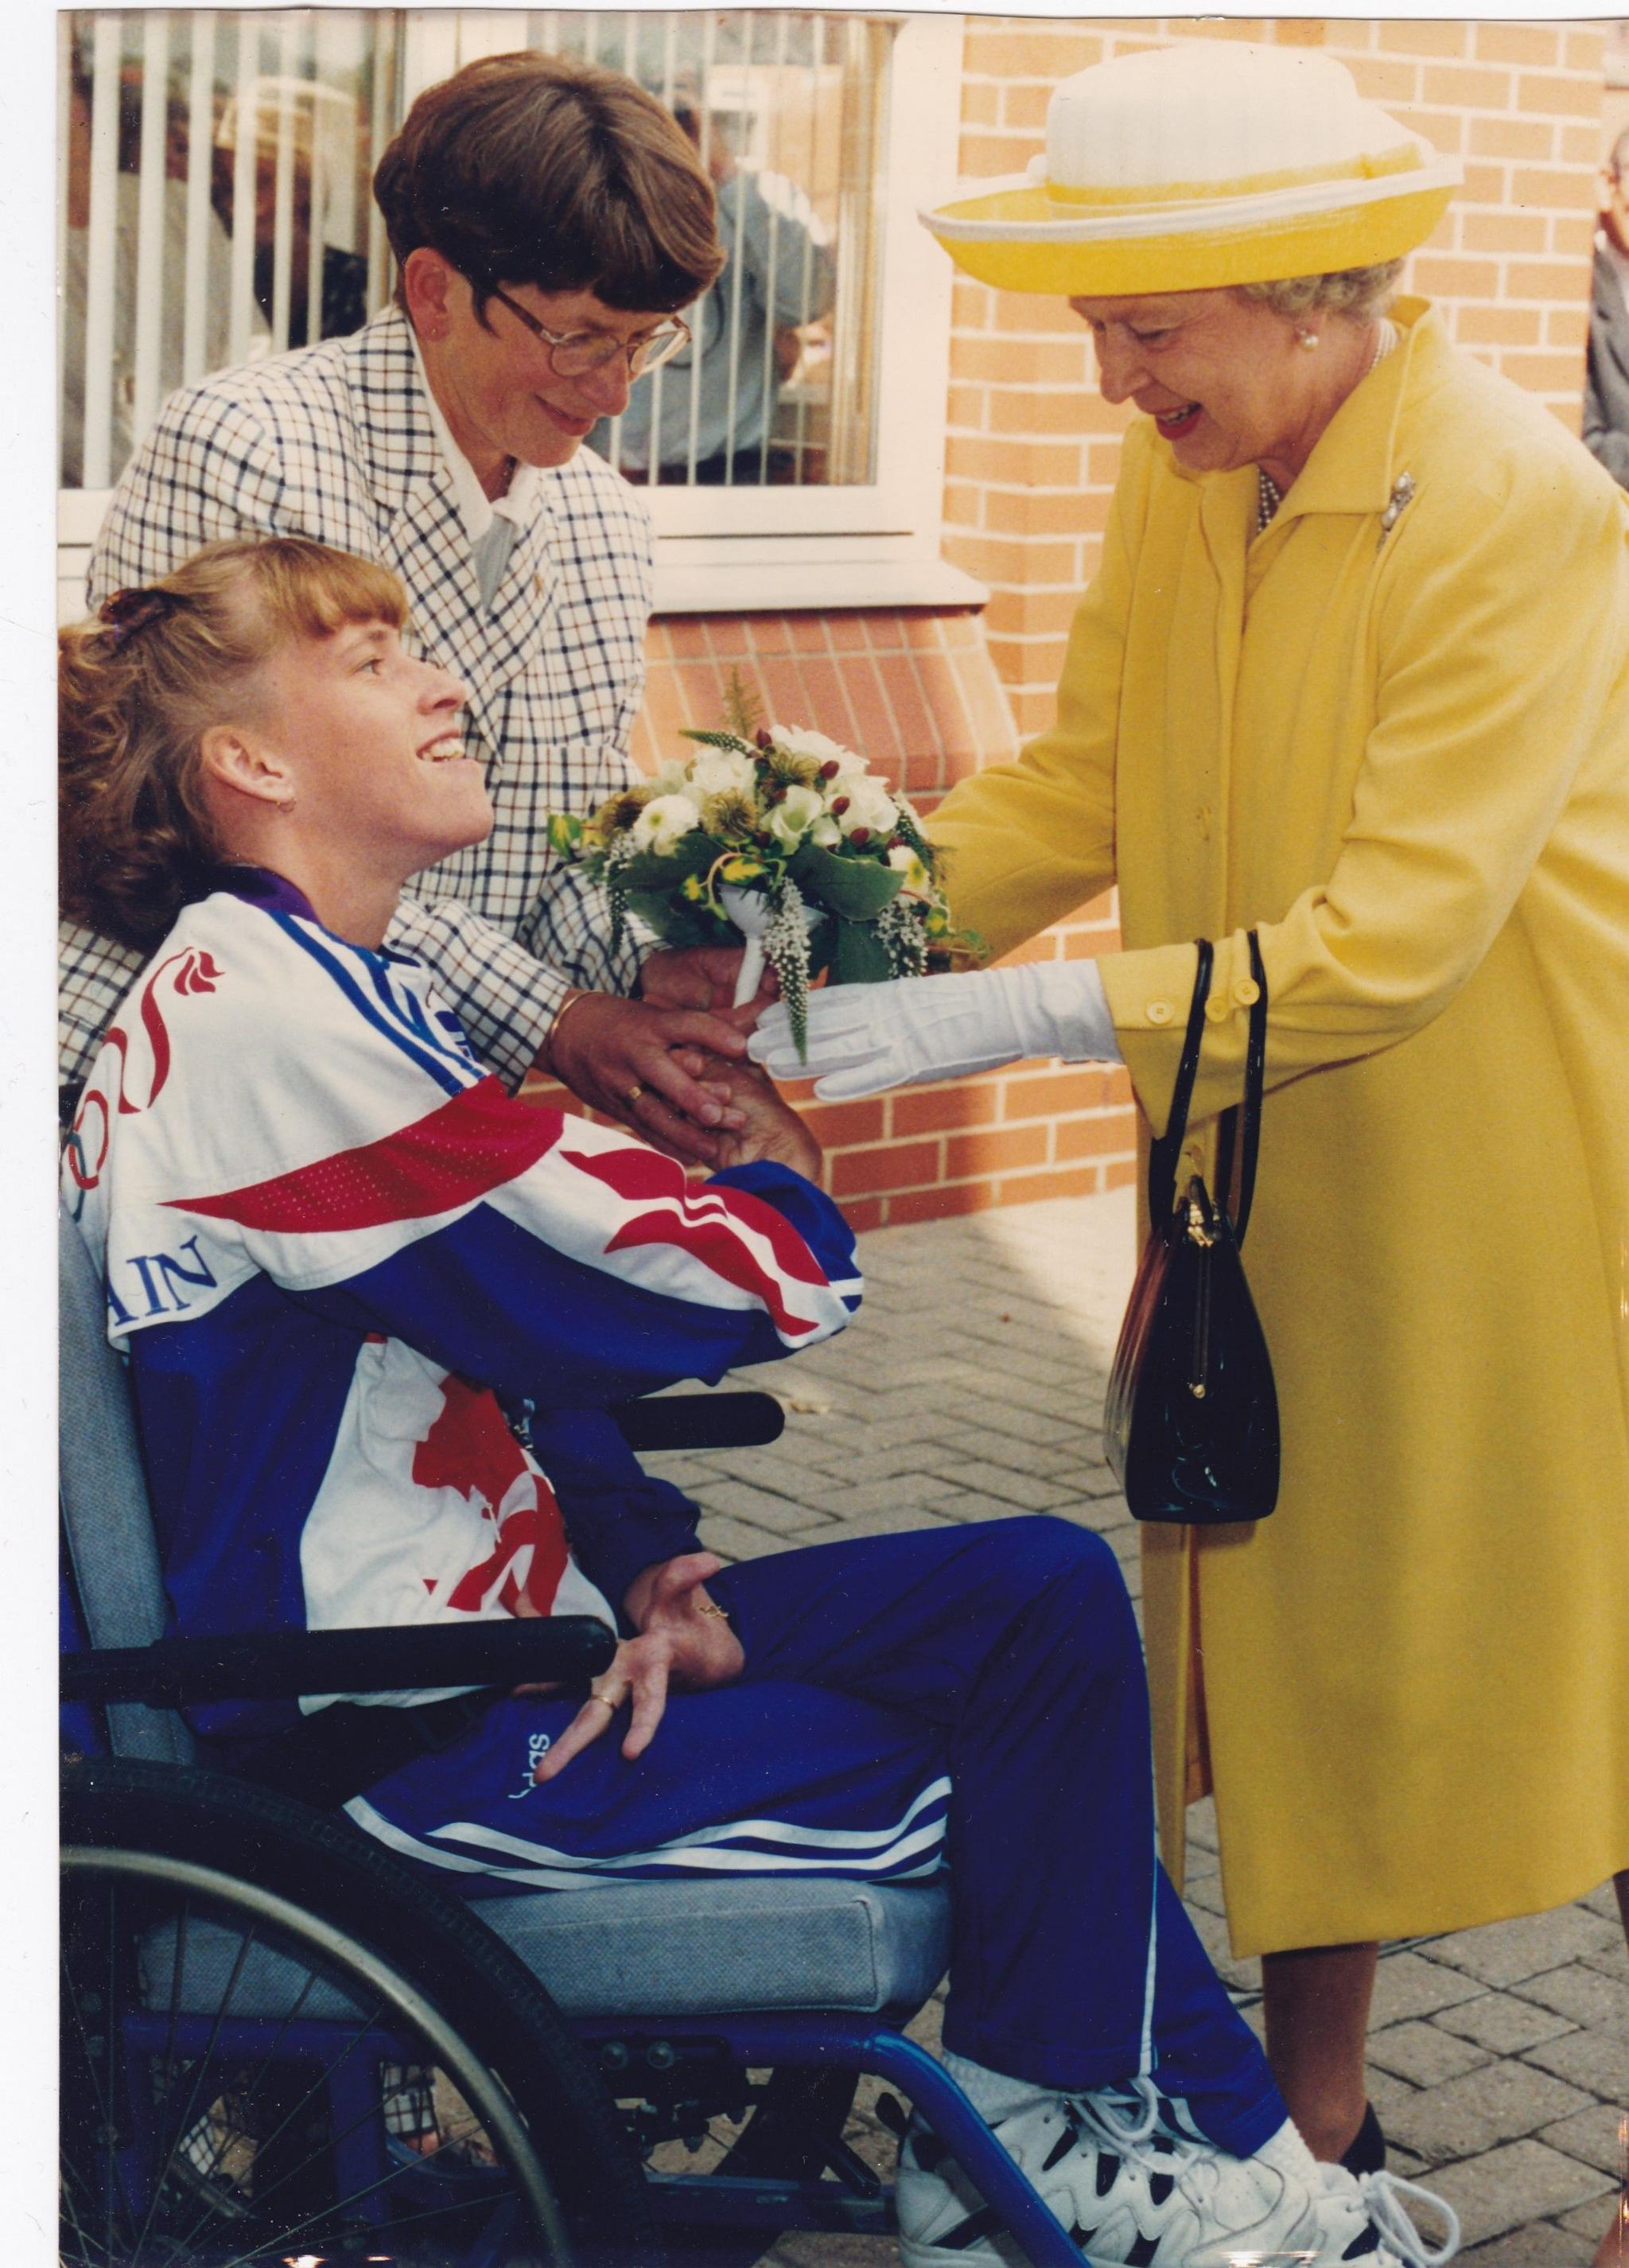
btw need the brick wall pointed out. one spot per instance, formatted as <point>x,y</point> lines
<point>1031,457</point>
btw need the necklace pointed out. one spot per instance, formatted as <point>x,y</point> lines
<point>1269,494</point>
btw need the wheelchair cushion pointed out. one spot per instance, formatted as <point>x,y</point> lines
<point>713,1946</point>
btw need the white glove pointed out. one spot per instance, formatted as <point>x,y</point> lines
<point>866,1037</point>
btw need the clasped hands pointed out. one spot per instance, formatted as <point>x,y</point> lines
<point>665,1065</point>
<point>685,1645</point>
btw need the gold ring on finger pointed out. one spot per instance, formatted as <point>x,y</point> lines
<point>606,1702</point>
<point>632,1095</point>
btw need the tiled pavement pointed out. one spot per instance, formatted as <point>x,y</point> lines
<point>972,1388</point>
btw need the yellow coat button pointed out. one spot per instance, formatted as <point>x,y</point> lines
<point>1247,991</point>
<point>1158,1012</point>
<point>1218,1006</point>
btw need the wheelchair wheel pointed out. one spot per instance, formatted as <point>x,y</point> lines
<point>278,2044</point>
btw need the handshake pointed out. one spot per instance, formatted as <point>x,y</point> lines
<point>692,1074</point>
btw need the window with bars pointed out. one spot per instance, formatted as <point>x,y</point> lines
<point>215,206</point>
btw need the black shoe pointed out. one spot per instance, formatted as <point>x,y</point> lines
<point>1366,2152</point>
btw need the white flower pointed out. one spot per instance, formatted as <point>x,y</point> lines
<point>826,832</point>
<point>869,806</point>
<point>798,740</point>
<point>670,775</point>
<point>664,823</point>
<point>792,818</point>
<point>918,883</point>
<point>719,772</point>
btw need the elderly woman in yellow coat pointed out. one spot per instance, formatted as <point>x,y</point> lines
<point>1355,671</point>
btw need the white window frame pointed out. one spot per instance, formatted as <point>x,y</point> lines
<point>744,549</point>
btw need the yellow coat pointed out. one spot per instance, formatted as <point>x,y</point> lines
<point>1404,754</point>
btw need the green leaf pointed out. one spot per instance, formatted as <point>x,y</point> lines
<point>856,888</point>
<point>733,741</point>
<point>692,854</point>
<point>680,924</point>
<point>859,957</point>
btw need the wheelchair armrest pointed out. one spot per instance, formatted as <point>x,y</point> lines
<point>267,1665</point>
<point>700,1421</point>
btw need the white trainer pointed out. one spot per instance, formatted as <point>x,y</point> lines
<point>1133,2198</point>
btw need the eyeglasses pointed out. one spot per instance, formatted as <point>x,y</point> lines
<point>576,354</point>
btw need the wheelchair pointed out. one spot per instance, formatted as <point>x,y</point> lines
<point>280,2045</point>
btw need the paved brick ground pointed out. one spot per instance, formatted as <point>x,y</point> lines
<point>972,1388</point>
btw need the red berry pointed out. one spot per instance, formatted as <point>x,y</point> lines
<point>839,805</point>
<point>860,837</point>
<point>830,769</point>
<point>765,738</point>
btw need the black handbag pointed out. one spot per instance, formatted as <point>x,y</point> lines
<point>1191,1426</point>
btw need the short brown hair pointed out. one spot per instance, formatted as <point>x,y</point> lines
<point>133,705</point>
<point>542,170</point>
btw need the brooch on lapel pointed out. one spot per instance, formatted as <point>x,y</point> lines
<point>1401,496</point>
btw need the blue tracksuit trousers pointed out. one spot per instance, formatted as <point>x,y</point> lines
<point>1001,1657</point>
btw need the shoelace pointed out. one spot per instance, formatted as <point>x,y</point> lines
<point>1141,2140</point>
<point>1382,2194</point>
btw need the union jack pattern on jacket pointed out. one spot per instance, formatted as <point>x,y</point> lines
<point>334,442</point>
<point>332,1244</point>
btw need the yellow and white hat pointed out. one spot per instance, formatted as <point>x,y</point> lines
<point>1187,168</point>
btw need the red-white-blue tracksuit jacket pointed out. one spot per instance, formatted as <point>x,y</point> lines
<point>332,1244</point>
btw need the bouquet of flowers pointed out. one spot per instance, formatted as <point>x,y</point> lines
<point>781,836</point>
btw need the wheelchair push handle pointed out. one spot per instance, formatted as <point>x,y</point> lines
<point>271,1665</point>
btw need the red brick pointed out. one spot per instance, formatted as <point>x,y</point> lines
<point>1047,1094</point>
<point>981,103</point>
<point>1487,185</point>
<point>843,1125</point>
<point>913,719</point>
<point>1567,97</point>
<point>941,1203</point>
<point>1442,277</point>
<point>728,637</point>
<point>1070,1182</point>
<point>687,637</point>
<point>878,737</point>
<point>864,1213</point>
<point>1503,232</point>
<point>847,632</point>
<point>960,1102</point>
<point>1532,185</point>
<point>1546,279</point>
<point>1544,374</point>
<point>1512,137</point>
<point>901,1165</point>
<point>1385,78</point>
<point>1498,326</point>
<point>1586,51</point>
<point>1110,1135</point>
<point>1517,43</point>
<point>984,457</point>
<point>992,1150</point>
<point>997,52</point>
<point>1461,86</point>
<point>1424,39</point>
<point>1119,1173</point>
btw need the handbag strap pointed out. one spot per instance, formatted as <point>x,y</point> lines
<point>1164,1153</point>
<point>1255,1079</point>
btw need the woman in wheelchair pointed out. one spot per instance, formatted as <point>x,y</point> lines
<point>374,1310</point>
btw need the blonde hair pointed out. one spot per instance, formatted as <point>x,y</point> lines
<point>1358,293</point>
<point>139,685</point>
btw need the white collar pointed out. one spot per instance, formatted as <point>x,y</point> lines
<point>475,508</point>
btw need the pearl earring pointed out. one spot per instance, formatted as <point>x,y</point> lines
<point>1307,339</point>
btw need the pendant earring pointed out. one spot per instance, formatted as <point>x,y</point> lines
<point>1307,339</point>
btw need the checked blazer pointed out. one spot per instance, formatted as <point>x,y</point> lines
<point>334,442</point>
